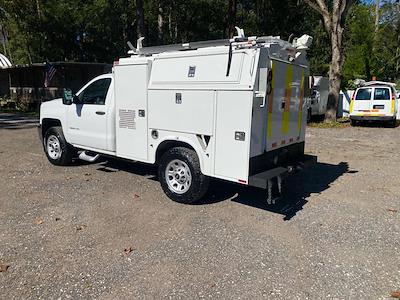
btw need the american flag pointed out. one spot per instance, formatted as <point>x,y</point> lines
<point>50,72</point>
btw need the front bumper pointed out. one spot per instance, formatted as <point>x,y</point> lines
<point>40,133</point>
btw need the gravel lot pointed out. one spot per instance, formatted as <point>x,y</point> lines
<point>107,231</point>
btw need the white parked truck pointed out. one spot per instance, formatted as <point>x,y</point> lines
<point>318,96</point>
<point>233,110</point>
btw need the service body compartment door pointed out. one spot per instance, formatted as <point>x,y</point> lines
<point>233,134</point>
<point>131,111</point>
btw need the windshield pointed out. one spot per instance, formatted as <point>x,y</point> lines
<point>364,94</point>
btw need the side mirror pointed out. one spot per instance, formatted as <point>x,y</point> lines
<point>76,100</point>
<point>67,97</point>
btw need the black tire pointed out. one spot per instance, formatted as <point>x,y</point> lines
<point>309,115</point>
<point>393,123</point>
<point>199,182</point>
<point>67,150</point>
<point>353,122</point>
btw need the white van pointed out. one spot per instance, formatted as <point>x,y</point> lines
<point>374,101</point>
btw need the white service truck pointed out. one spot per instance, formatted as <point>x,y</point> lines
<point>318,96</point>
<point>231,109</point>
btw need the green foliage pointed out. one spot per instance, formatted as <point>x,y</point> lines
<point>97,30</point>
<point>358,43</point>
<point>370,53</point>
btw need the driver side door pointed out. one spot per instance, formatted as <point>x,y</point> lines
<point>87,116</point>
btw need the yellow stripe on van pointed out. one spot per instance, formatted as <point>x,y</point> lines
<point>270,102</point>
<point>351,106</point>
<point>288,95</point>
<point>300,116</point>
<point>392,108</point>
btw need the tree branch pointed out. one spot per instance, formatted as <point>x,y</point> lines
<point>322,9</point>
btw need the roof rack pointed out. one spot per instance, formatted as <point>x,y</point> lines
<point>374,82</point>
<point>181,47</point>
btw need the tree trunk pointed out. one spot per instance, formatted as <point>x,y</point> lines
<point>377,16</point>
<point>231,17</point>
<point>335,75</point>
<point>140,18</point>
<point>160,24</point>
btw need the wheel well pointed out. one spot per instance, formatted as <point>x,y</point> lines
<point>48,123</point>
<point>166,145</point>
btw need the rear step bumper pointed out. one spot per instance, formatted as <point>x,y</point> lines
<point>261,180</point>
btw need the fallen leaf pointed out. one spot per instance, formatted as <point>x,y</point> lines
<point>128,250</point>
<point>68,178</point>
<point>136,196</point>
<point>39,221</point>
<point>80,227</point>
<point>392,210</point>
<point>57,219</point>
<point>4,268</point>
<point>395,294</point>
<point>88,174</point>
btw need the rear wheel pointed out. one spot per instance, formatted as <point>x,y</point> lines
<point>180,175</point>
<point>58,151</point>
<point>353,122</point>
<point>309,115</point>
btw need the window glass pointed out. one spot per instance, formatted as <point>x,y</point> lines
<point>96,92</point>
<point>364,94</point>
<point>381,94</point>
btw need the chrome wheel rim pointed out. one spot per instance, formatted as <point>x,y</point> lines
<point>53,147</point>
<point>178,176</point>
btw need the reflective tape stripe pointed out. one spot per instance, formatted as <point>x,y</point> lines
<point>351,106</point>
<point>288,95</point>
<point>300,116</point>
<point>270,102</point>
<point>392,108</point>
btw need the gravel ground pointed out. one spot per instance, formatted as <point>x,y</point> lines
<point>107,231</point>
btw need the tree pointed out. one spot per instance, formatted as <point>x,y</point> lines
<point>140,18</point>
<point>334,18</point>
<point>359,41</point>
<point>232,8</point>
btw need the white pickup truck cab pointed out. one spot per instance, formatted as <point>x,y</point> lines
<point>234,110</point>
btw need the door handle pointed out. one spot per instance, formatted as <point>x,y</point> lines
<point>100,113</point>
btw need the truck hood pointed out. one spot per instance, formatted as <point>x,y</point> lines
<point>53,109</point>
<point>55,102</point>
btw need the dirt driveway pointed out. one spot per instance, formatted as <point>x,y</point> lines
<point>107,231</point>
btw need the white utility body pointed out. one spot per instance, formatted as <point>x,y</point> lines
<point>374,101</point>
<point>234,110</point>
<point>319,95</point>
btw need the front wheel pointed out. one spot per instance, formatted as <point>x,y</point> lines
<point>180,175</point>
<point>58,151</point>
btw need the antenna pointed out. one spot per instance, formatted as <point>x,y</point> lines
<point>132,49</point>
<point>139,44</point>
<point>240,32</point>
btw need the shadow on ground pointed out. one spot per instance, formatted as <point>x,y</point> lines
<point>17,121</point>
<point>297,188</point>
